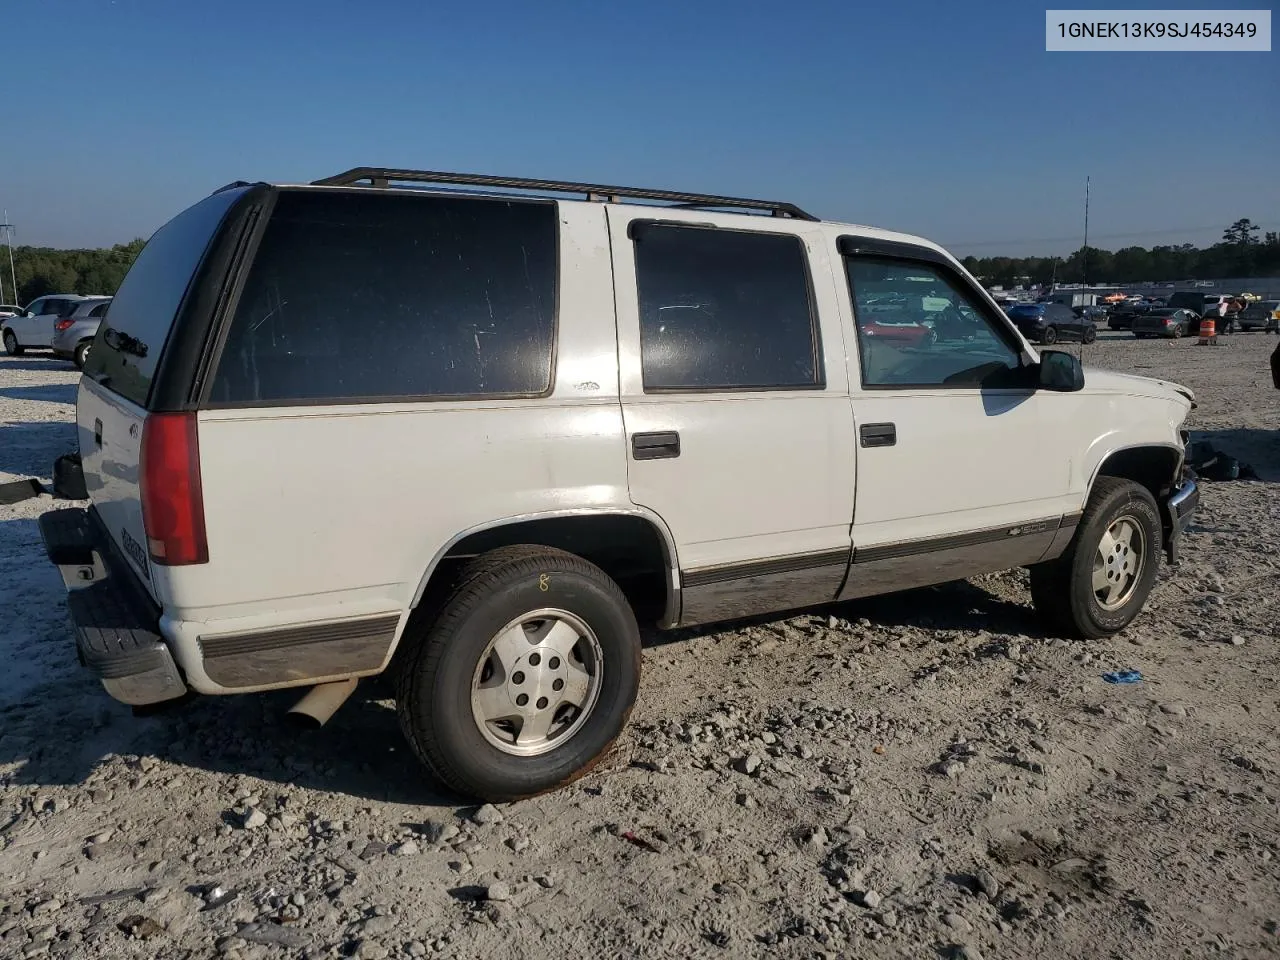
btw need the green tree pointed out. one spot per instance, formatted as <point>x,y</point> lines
<point>1242,233</point>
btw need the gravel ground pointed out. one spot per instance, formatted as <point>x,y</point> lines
<point>924,775</point>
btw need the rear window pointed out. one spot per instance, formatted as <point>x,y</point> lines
<point>375,296</point>
<point>127,349</point>
<point>100,310</point>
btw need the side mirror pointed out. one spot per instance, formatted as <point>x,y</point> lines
<point>1060,371</point>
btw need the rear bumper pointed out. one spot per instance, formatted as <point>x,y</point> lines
<point>116,624</point>
<point>1181,507</point>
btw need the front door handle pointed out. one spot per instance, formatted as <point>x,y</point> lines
<point>878,434</point>
<point>662,444</point>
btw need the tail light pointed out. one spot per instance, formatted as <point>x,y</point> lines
<point>1168,321</point>
<point>172,499</point>
<point>62,324</point>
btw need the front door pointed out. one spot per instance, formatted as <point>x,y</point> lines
<point>735,400</point>
<point>955,474</point>
<point>23,324</point>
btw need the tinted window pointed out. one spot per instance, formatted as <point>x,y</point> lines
<point>955,345</point>
<point>127,350</point>
<point>36,307</point>
<point>377,296</point>
<point>1026,312</point>
<point>67,307</point>
<point>99,310</point>
<point>722,309</point>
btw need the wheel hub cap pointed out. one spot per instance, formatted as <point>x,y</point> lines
<point>1118,564</point>
<point>537,682</point>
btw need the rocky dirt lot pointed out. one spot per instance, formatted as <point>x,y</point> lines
<point>924,775</point>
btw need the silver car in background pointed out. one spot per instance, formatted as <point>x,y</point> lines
<point>73,333</point>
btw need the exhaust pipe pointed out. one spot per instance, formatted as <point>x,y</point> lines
<point>322,702</point>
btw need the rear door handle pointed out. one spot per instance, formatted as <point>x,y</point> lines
<point>878,434</point>
<point>662,444</point>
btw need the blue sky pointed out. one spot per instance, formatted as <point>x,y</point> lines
<point>944,119</point>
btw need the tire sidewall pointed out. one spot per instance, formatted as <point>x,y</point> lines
<point>11,343</point>
<point>1133,501</point>
<point>446,705</point>
<point>80,355</point>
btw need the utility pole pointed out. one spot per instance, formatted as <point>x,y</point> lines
<point>13,276</point>
<point>1086,232</point>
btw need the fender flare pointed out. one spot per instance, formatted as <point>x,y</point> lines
<point>671,616</point>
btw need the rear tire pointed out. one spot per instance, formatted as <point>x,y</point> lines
<point>515,613</point>
<point>1177,332</point>
<point>1050,336</point>
<point>1103,579</point>
<point>81,354</point>
<point>1090,335</point>
<point>11,346</point>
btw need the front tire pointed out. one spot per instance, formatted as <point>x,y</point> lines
<point>1102,581</point>
<point>1050,336</point>
<point>11,344</point>
<point>526,678</point>
<point>1090,335</point>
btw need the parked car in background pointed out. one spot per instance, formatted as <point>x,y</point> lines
<point>9,310</point>
<point>1261,315</point>
<point>33,327</point>
<point>1172,322</point>
<point>73,334</point>
<point>906,332</point>
<point>1120,316</point>
<point>1050,322</point>
<point>1098,313</point>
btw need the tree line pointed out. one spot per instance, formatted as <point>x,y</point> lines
<point>42,270</point>
<point>1240,253</point>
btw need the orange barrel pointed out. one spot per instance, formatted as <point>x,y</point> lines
<point>1208,329</point>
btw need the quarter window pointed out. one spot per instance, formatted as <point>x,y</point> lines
<point>917,329</point>
<point>724,310</point>
<point>364,295</point>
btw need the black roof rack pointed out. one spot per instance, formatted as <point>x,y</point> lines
<point>384,176</point>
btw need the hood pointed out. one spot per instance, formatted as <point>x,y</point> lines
<point>1108,381</point>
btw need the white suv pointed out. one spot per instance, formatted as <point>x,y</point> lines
<point>476,438</point>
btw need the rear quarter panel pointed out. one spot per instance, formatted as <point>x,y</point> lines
<point>319,512</point>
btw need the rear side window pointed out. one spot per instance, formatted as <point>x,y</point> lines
<point>376,296</point>
<point>724,310</point>
<point>100,310</point>
<point>126,350</point>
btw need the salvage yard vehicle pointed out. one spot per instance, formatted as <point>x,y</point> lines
<point>34,326</point>
<point>1173,322</point>
<point>73,333</point>
<point>1260,315</point>
<point>434,426</point>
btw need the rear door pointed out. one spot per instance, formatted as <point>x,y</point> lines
<point>735,402</point>
<point>116,386</point>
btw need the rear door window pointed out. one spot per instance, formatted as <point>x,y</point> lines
<point>724,310</point>
<point>368,296</point>
<point>127,349</point>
